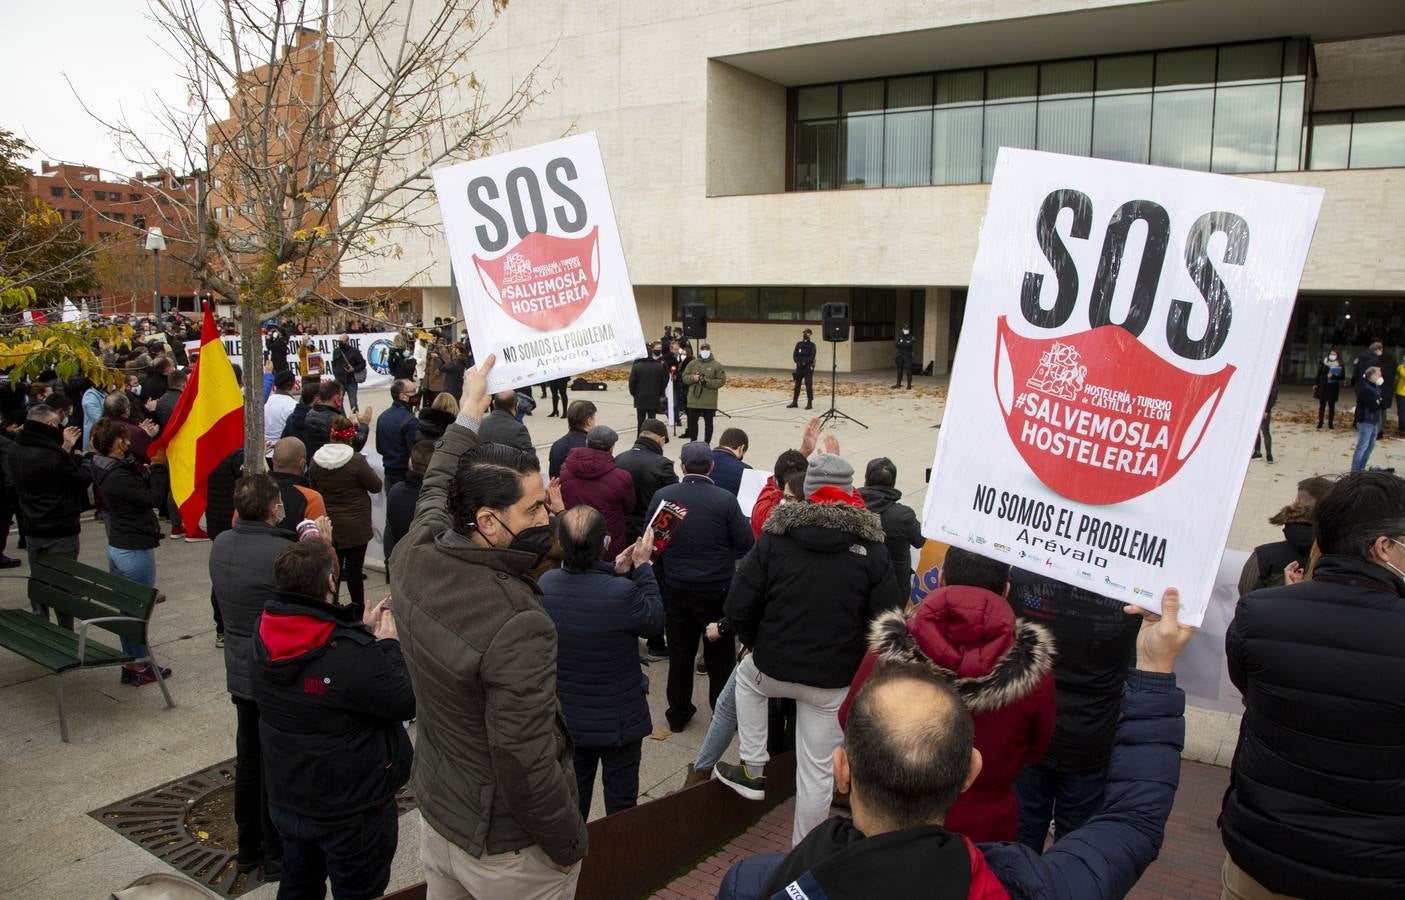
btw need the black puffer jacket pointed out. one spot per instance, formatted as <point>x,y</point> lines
<point>49,481</point>
<point>219,494</point>
<point>600,617</point>
<point>317,429</point>
<point>804,597</point>
<point>130,500</point>
<point>241,575</point>
<point>648,379</point>
<point>901,532</point>
<point>651,470</point>
<point>331,702</point>
<point>1316,803</point>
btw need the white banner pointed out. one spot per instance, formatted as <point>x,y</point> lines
<point>1121,333</point>
<point>375,346</point>
<point>537,258</point>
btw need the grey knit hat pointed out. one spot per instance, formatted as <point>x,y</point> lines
<point>601,437</point>
<point>828,470</point>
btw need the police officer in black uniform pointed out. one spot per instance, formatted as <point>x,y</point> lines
<point>904,358</point>
<point>804,358</point>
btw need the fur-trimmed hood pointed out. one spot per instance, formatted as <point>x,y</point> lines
<point>798,518</point>
<point>971,636</point>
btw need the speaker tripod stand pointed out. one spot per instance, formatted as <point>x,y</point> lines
<point>835,412</point>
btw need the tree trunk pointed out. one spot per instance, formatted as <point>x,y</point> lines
<point>251,340</point>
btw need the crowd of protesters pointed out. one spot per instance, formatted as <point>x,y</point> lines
<point>1008,735</point>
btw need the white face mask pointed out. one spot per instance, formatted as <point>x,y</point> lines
<point>705,354</point>
<point>1393,568</point>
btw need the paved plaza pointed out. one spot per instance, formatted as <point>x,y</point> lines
<point>124,740</point>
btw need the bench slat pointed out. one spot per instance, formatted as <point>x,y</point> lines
<point>50,645</point>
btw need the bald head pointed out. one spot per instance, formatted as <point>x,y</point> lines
<point>908,746</point>
<point>581,530</point>
<point>505,401</point>
<point>289,456</point>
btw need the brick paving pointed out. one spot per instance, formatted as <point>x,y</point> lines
<point>1188,868</point>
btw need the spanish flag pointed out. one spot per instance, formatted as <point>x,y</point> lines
<point>205,427</point>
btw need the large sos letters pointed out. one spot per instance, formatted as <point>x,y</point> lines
<point>1158,232</point>
<point>493,234</point>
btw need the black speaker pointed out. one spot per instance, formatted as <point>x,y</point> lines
<point>695,320</point>
<point>835,317</point>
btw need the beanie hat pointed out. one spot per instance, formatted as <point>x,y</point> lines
<point>828,470</point>
<point>654,426</point>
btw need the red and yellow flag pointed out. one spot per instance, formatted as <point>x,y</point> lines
<point>205,427</point>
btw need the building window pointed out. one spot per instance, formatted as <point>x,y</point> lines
<point>75,215</point>
<point>118,217</point>
<point>135,198</point>
<point>55,192</point>
<point>139,222</point>
<point>1357,139</point>
<point>74,192</point>
<point>872,310</point>
<point>100,195</point>
<point>1234,108</point>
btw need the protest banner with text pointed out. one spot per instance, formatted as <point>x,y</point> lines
<point>1121,334</point>
<point>538,262</point>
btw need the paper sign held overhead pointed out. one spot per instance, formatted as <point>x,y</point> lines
<point>537,258</point>
<point>1121,335</point>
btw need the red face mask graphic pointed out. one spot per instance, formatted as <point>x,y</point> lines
<point>545,282</point>
<point>1098,416</point>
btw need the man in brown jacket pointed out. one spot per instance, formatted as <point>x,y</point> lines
<point>493,766</point>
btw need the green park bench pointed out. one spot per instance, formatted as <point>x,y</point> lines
<point>93,597</point>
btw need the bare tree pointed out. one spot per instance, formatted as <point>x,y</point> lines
<point>313,133</point>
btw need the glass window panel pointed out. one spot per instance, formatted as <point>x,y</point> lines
<point>1331,141</point>
<point>1011,83</point>
<point>817,102</point>
<point>907,149</point>
<point>782,304</point>
<point>1185,68</point>
<point>1122,127</point>
<point>910,93</point>
<point>862,95</point>
<point>816,155</point>
<point>817,297</point>
<point>1181,125</point>
<point>863,151</point>
<point>1246,128</point>
<point>1006,125</point>
<point>1066,126</point>
<point>684,295</point>
<point>1290,127</point>
<point>960,87</point>
<point>1251,62</point>
<point>738,303</point>
<point>956,145</point>
<point>1073,76</point>
<point>1378,138</point>
<point>1125,73</point>
<point>1294,58</point>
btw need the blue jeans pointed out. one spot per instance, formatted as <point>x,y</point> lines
<point>1365,442</point>
<point>1046,793</point>
<point>722,728</point>
<point>349,388</point>
<point>139,566</point>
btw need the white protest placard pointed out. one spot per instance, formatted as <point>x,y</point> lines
<point>537,258</point>
<point>753,483</point>
<point>1122,331</point>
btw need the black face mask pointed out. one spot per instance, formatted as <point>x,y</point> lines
<point>535,540</point>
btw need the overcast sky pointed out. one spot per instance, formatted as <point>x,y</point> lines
<point>107,48</point>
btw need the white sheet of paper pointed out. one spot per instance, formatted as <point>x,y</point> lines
<point>753,480</point>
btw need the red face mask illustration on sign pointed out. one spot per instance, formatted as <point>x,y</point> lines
<point>1098,416</point>
<point>545,282</point>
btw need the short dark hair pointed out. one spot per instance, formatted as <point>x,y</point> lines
<point>880,473</point>
<point>400,386</point>
<point>489,475</point>
<point>578,413</point>
<point>698,466</point>
<point>420,455</point>
<point>60,402</point>
<point>733,439</point>
<point>177,379</point>
<point>1360,508</point>
<point>581,531</point>
<point>787,464</point>
<point>1315,487</point>
<point>311,388</point>
<point>966,568</point>
<point>328,390</point>
<point>106,432</point>
<point>255,497</point>
<point>909,767</point>
<point>116,404</point>
<point>304,566</point>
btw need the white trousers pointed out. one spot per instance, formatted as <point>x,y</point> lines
<point>817,733</point>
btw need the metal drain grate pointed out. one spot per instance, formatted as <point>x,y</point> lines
<point>157,821</point>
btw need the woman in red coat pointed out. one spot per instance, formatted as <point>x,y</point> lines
<point>1002,667</point>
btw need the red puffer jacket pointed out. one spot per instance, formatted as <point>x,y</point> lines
<point>1003,670</point>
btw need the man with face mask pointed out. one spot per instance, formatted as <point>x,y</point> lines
<point>347,363</point>
<point>1316,804</point>
<point>903,358</point>
<point>703,378</point>
<point>496,778</point>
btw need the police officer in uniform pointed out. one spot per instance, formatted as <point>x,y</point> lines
<point>804,358</point>
<point>904,358</point>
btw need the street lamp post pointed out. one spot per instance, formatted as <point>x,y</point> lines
<point>156,243</point>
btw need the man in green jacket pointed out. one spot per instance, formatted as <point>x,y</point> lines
<point>493,763</point>
<point>703,378</point>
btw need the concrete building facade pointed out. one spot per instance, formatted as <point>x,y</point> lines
<point>765,158</point>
